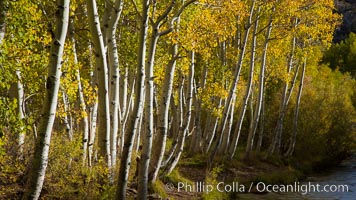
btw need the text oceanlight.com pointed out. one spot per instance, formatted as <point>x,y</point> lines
<point>303,188</point>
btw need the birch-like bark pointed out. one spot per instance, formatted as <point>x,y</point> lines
<point>137,142</point>
<point>227,131</point>
<point>187,115</point>
<point>40,158</point>
<point>163,110</point>
<point>197,138</point>
<point>237,132</point>
<point>177,111</point>
<point>256,118</point>
<point>262,125</point>
<point>123,89</point>
<point>275,145</point>
<point>148,116</point>
<point>164,103</point>
<point>93,109</point>
<point>67,117</point>
<point>138,106</point>
<point>92,131</point>
<point>233,87</point>
<point>211,131</point>
<point>103,90</point>
<point>83,107</point>
<point>113,65</point>
<point>296,111</point>
<point>125,117</point>
<point>21,114</point>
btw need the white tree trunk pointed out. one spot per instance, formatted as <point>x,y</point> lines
<point>163,110</point>
<point>40,158</point>
<point>138,106</point>
<point>83,107</point>
<point>103,90</point>
<point>256,118</point>
<point>92,131</point>
<point>233,86</point>
<point>276,141</point>
<point>187,115</point>
<point>261,124</point>
<point>21,114</point>
<point>237,132</point>
<point>148,116</point>
<point>227,131</point>
<point>211,134</point>
<point>67,117</point>
<point>123,89</point>
<point>113,64</point>
<point>296,111</point>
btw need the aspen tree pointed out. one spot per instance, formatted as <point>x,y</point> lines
<point>229,101</point>
<point>276,142</point>
<point>114,74</point>
<point>187,116</point>
<point>40,158</point>
<point>177,112</point>
<point>256,118</point>
<point>237,132</point>
<point>21,114</point>
<point>164,103</point>
<point>67,118</point>
<point>103,87</point>
<point>82,103</point>
<point>296,111</point>
<point>196,142</point>
<point>148,115</point>
<point>213,127</point>
<point>137,107</point>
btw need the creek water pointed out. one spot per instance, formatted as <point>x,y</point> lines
<point>341,179</point>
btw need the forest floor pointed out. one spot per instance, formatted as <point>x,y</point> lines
<point>191,171</point>
<point>242,176</point>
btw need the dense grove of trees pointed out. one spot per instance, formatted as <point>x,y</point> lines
<point>126,89</point>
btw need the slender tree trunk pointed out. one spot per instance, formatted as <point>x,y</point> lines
<point>187,115</point>
<point>67,117</point>
<point>237,132</point>
<point>92,131</point>
<point>138,106</point>
<point>276,142</point>
<point>21,114</point>
<point>83,107</point>
<point>93,110</point>
<point>177,123</point>
<point>256,118</point>
<point>163,110</point>
<point>211,131</point>
<point>113,65</point>
<point>148,116</point>
<point>125,117</point>
<point>123,89</point>
<point>40,158</point>
<point>261,124</point>
<point>103,90</point>
<point>137,142</point>
<point>227,134</point>
<point>196,142</point>
<point>232,90</point>
<point>296,111</point>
